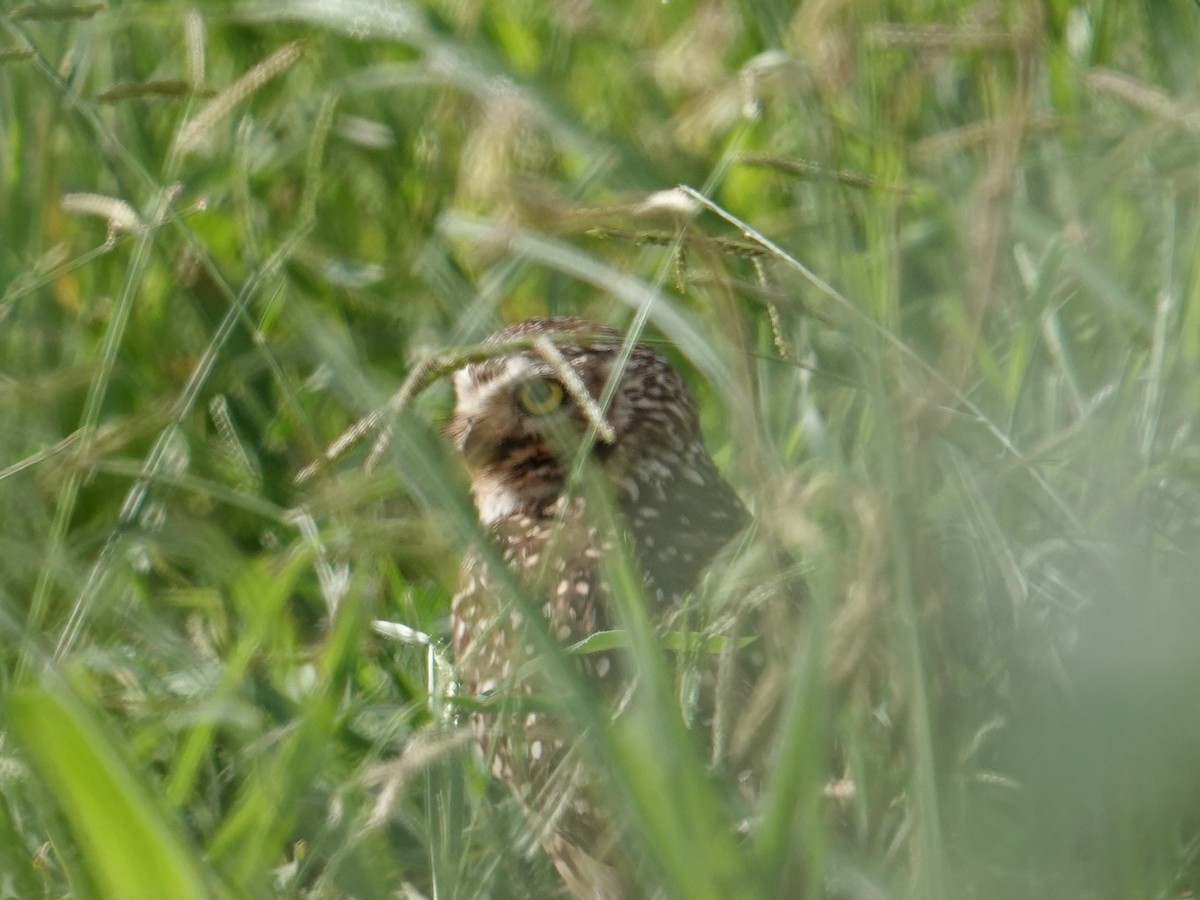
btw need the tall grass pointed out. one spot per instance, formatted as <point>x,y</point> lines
<point>929,268</point>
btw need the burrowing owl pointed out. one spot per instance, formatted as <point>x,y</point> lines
<point>518,421</point>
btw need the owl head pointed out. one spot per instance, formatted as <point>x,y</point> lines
<point>519,418</point>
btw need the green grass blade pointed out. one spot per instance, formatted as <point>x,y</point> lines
<point>131,847</point>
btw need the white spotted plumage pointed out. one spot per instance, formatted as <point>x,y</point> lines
<point>676,511</point>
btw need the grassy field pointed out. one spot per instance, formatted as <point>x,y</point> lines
<point>930,269</point>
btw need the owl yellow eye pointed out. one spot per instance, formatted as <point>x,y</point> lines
<point>539,396</point>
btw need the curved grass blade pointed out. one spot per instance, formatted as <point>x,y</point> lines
<point>129,844</point>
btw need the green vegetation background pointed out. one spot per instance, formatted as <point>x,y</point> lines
<point>936,289</point>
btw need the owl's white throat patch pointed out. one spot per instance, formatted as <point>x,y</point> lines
<point>493,498</point>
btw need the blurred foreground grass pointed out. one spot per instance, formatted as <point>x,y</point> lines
<point>934,283</point>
